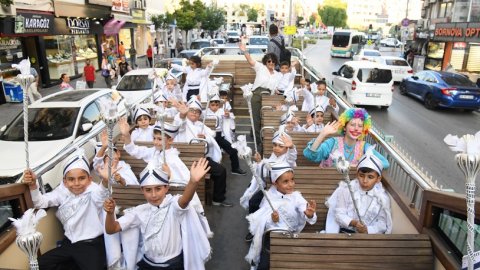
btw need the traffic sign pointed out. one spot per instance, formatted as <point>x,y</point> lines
<point>405,22</point>
<point>290,30</point>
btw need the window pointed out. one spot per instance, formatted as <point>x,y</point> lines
<point>442,10</point>
<point>458,80</point>
<point>90,115</point>
<point>396,62</point>
<point>374,75</point>
<point>355,39</point>
<point>140,82</point>
<point>347,72</point>
<point>430,78</point>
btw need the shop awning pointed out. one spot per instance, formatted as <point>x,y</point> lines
<point>113,26</point>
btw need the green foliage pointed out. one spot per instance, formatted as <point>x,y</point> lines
<point>332,16</point>
<point>335,3</point>
<point>199,10</point>
<point>312,19</point>
<point>162,21</point>
<point>214,18</point>
<point>185,16</point>
<point>6,3</point>
<point>252,15</point>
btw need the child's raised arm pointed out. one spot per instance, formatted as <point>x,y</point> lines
<point>125,130</point>
<point>111,225</point>
<point>243,49</point>
<point>197,172</point>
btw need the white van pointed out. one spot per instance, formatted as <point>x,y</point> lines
<point>364,83</point>
<point>399,66</point>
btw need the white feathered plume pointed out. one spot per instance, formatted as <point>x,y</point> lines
<point>27,224</point>
<point>468,144</point>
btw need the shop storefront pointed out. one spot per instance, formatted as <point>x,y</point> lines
<point>457,44</point>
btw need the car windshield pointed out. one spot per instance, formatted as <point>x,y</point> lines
<point>341,40</point>
<point>396,62</point>
<point>232,34</point>
<point>371,53</point>
<point>259,41</point>
<point>134,83</point>
<point>197,45</point>
<point>44,124</point>
<point>185,54</point>
<point>220,41</point>
<point>457,80</point>
<point>374,75</point>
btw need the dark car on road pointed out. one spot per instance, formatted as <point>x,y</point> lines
<point>442,89</point>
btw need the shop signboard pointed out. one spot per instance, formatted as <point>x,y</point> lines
<point>459,32</point>
<point>121,6</point>
<point>27,23</point>
<point>78,26</point>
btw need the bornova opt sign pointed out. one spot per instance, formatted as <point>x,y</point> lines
<point>78,26</point>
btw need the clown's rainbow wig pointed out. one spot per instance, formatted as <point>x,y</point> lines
<point>352,113</point>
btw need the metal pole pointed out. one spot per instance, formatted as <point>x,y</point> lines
<point>469,11</point>
<point>290,22</point>
<point>343,166</point>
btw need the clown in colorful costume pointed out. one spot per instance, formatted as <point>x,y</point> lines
<point>353,124</point>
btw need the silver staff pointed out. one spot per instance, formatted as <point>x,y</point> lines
<point>343,167</point>
<point>245,153</point>
<point>247,94</point>
<point>161,115</point>
<point>314,93</point>
<point>110,116</point>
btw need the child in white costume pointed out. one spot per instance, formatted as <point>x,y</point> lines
<point>289,123</point>
<point>196,77</point>
<point>143,131</point>
<point>164,103</point>
<point>291,212</point>
<point>287,78</point>
<point>314,120</point>
<point>371,198</point>
<point>173,237</point>
<point>321,98</point>
<point>79,202</point>
<point>229,125</point>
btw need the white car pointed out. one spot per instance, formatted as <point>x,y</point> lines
<point>259,41</point>
<point>55,122</point>
<point>399,66</point>
<point>390,42</point>
<point>136,87</point>
<point>364,83</point>
<point>369,55</point>
<point>233,36</point>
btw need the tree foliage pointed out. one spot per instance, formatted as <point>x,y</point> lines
<point>252,15</point>
<point>214,18</point>
<point>199,9</point>
<point>185,16</point>
<point>333,16</point>
<point>335,3</point>
<point>6,3</point>
<point>162,21</point>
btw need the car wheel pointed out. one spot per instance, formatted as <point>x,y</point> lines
<point>403,89</point>
<point>430,102</point>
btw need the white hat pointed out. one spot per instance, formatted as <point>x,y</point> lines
<point>139,112</point>
<point>170,77</point>
<point>170,129</point>
<point>315,110</point>
<point>99,145</point>
<point>369,160</point>
<point>286,117</point>
<point>159,97</point>
<point>77,160</point>
<point>153,177</point>
<point>216,97</point>
<point>194,103</point>
<point>278,169</point>
<point>277,137</point>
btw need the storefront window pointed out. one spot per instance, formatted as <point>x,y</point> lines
<point>473,65</point>
<point>436,49</point>
<point>59,56</point>
<point>458,54</point>
<point>10,53</point>
<point>125,37</point>
<point>86,46</point>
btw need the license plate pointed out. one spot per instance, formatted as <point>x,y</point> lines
<point>373,95</point>
<point>466,96</point>
<point>399,71</point>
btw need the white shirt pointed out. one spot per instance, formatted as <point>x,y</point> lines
<point>189,130</point>
<point>296,128</point>
<point>160,227</point>
<point>309,104</point>
<point>285,84</point>
<point>80,215</point>
<point>178,169</point>
<point>142,134</point>
<point>125,170</point>
<point>196,78</point>
<point>264,78</point>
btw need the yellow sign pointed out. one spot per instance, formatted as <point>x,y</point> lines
<point>290,30</point>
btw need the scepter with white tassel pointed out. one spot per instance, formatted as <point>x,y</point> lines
<point>469,162</point>
<point>248,94</point>
<point>343,167</point>
<point>28,238</point>
<point>314,91</point>
<point>161,115</point>
<point>110,116</point>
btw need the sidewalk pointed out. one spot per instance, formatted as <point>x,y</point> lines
<point>9,110</point>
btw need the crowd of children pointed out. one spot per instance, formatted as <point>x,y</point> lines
<point>171,231</point>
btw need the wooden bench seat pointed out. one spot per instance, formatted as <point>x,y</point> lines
<point>300,140</point>
<point>271,118</point>
<point>209,122</point>
<point>188,154</point>
<point>351,251</point>
<point>274,100</point>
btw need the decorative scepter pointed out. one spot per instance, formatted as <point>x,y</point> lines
<point>28,238</point>
<point>110,117</point>
<point>343,167</point>
<point>469,162</point>
<point>161,115</point>
<point>247,94</point>
<point>245,153</point>
<point>25,78</point>
<point>314,91</point>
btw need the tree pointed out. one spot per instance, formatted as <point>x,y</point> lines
<point>333,16</point>
<point>335,3</point>
<point>214,18</point>
<point>185,16</point>
<point>162,21</point>
<point>199,9</point>
<point>252,15</point>
<point>243,9</point>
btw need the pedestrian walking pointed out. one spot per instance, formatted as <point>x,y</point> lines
<point>89,74</point>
